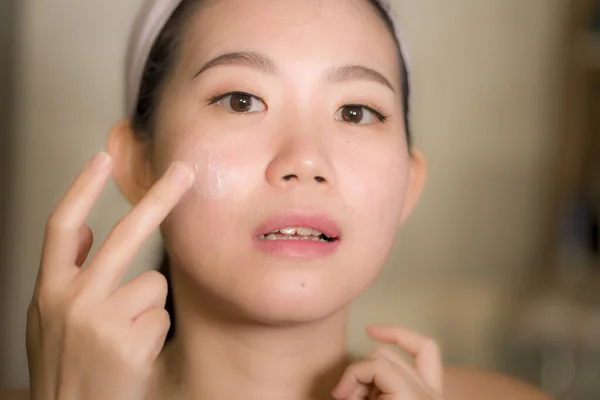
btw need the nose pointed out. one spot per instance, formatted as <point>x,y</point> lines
<point>301,161</point>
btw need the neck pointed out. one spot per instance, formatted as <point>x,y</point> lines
<point>214,357</point>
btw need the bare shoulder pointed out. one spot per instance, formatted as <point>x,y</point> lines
<point>14,394</point>
<point>460,384</point>
<point>471,384</point>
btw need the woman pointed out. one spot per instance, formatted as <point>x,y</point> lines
<point>269,141</point>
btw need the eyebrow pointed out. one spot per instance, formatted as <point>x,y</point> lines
<point>358,72</point>
<point>250,59</point>
<point>264,64</point>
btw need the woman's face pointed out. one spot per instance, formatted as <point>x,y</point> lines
<point>313,137</point>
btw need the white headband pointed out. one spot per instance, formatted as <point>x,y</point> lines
<point>150,22</point>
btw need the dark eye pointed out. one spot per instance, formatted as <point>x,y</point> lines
<point>359,115</point>
<point>240,103</point>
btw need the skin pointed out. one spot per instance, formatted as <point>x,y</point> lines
<point>274,326</point>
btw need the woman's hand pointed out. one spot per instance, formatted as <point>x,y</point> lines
<point>88,338</point>
<point>385,375</point>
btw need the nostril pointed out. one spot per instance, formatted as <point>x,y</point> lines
<point>290,177</point>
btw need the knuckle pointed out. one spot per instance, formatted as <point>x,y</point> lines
<point>127,226</point>
<point>159,196</point>
<point>33,311</point>
<point>57,223</point>
<point>121,226</point>
<point>380,363</point>
<point>41,304</point>
<point>41,294</point>
<point>124,228</point>
<point>45,305</point>
<point>76,313</point>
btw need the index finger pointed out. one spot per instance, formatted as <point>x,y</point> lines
<point>425,351</point>
<point>126,238</point>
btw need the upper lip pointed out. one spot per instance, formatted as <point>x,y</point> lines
<point>296,219</point>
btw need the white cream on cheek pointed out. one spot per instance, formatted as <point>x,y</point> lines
<point>217,177</point>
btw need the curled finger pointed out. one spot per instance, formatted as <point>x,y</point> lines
<point>425,351</point>
<point>149,333</point>
<point>396,359</point>
<point>379,373</point>
<point>146,291</point>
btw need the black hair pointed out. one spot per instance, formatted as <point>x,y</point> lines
<point>161,61</point>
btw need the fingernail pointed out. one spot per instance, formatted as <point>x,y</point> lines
<point>100,161</point>
<point>180,174</point>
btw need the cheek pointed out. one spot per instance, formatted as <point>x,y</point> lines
<point>199,223</point>
<point>218,175</point>
<point>221,169</point>
<point>225,178</point>
<point>374,188</point>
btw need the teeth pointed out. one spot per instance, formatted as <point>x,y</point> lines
<point>301,231</point>
<point>289,231</point>
<point>273,237</point>
<point>307,232</point>
<point>294,233</point>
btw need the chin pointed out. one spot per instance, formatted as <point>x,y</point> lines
<point>286,312</point>
<point>295,304</point>
<point>273,290</point>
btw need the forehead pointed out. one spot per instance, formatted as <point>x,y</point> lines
<point>294,33</point>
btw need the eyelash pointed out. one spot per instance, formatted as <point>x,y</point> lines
<point>381,116</point>
<point>216,98</point>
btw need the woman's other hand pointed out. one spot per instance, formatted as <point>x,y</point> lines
<point>386,375</point>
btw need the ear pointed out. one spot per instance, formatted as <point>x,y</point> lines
<point>416,181</point>
<point>131,161</point>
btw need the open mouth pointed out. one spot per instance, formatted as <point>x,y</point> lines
<point>297,233</point>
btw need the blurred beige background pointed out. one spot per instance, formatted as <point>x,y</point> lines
<point>485,80</point>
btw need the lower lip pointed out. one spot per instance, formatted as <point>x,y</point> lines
<point>298,249</point>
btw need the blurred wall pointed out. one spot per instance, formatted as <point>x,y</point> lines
<point>6,63</point>
<point>69,77</point>
<point>487,85</point>
<point>485,82</point>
